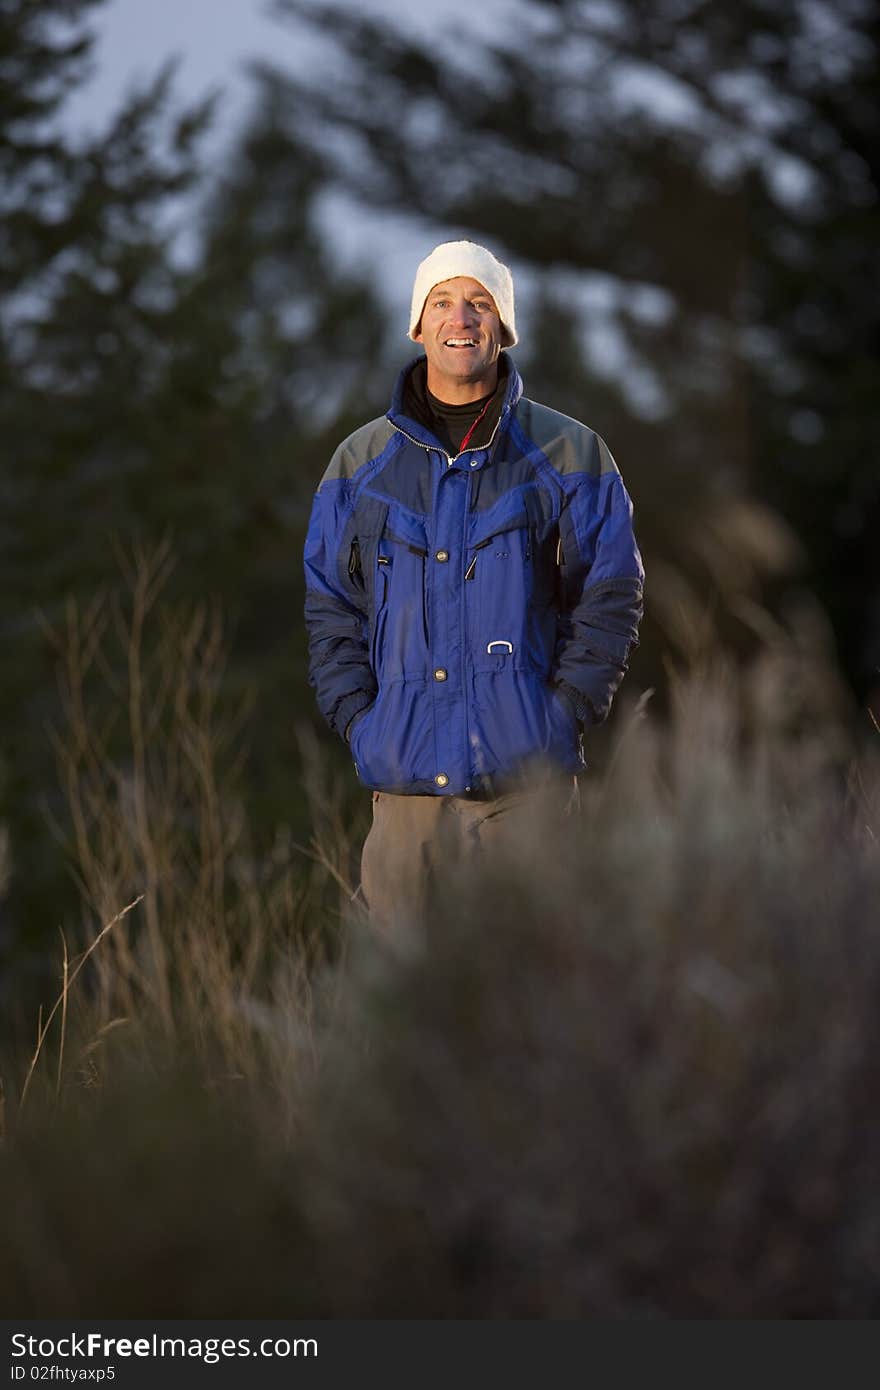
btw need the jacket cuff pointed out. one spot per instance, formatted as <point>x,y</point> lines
<point>349,708</point>
<point>583,710</point>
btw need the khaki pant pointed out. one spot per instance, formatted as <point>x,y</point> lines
<point>414,840</point>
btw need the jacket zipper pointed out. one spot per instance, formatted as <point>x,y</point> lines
<point>465,674</point>
<point>480,545</point>
<point>450,459</point>
<point>427,447</point>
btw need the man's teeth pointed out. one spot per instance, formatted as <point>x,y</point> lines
<point>461,342</point>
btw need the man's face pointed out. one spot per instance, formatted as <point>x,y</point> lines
<point>461,333</point>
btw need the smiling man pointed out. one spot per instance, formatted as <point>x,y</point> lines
<point>474,588</point>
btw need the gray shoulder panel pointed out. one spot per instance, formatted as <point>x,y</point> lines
<point>570,446</point>
<point>364,444</point>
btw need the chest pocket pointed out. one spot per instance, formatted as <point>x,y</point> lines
<point>399,619</point>
<point>510,588</point>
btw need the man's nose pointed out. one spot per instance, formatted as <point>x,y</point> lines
<point>463,314</point>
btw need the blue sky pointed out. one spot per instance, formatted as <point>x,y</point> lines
<point>213,40</point>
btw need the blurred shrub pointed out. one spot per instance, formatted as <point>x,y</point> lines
<point>631,1073</point>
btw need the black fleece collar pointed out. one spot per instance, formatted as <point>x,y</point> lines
<point>450,423</point>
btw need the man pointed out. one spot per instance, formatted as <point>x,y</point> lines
<point>474,589</point>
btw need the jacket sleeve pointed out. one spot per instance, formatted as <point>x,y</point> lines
<point>336,611</point>
<point>601,584</point>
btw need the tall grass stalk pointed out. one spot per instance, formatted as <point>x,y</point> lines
<point>68,979</point>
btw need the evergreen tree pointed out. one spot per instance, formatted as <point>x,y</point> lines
<point>146,395</point>
<point>278,356</point>
<point>85,282</point>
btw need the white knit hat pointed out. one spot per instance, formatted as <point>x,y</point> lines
<point>452,258</point>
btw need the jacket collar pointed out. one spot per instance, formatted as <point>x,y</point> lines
<point>424,436</point>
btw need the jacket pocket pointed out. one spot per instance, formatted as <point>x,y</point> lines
<point>401,631</point>
<point>517,719</point>
<point>380,614</point>
<point>393,745</point>
<point>498,592</point>
<point>416,573</point>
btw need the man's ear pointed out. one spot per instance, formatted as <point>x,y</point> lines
<point>417,335</point>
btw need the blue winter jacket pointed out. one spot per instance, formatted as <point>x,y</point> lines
<point>466,614</point>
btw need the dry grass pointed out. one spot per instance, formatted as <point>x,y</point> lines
<point>219,961</point>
